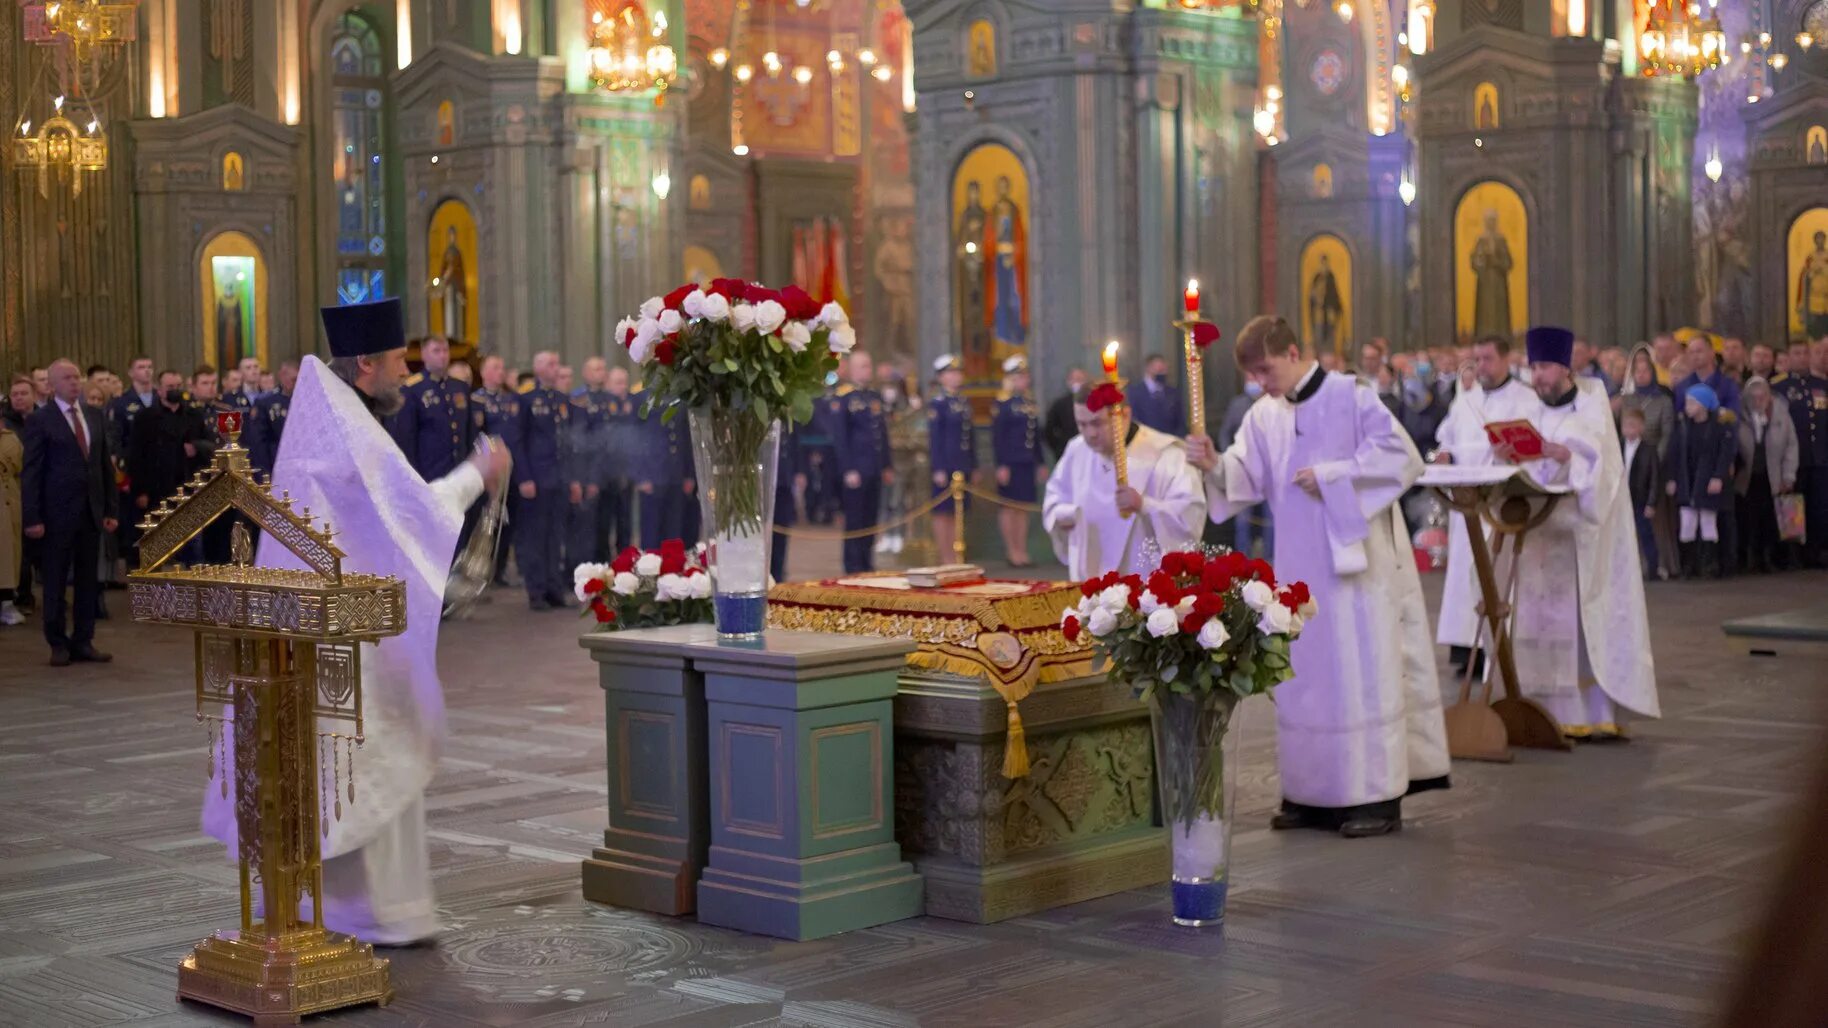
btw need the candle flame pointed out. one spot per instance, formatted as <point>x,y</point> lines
<point>1193,285</point>
<point>1110,357</point>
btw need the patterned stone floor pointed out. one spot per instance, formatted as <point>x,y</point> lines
<point>1610,886</point>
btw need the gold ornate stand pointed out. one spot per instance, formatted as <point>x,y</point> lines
<point>277,651</point>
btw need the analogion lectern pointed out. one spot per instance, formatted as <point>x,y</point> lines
<point>1509,503</point>
<point>277,652</point>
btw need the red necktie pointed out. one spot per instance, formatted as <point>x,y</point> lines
<point>76,425</point>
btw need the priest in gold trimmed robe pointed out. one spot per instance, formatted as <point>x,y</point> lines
<point>1360,725</point>
<point>1098,527</point>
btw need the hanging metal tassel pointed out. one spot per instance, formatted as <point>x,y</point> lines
<point>336,778</point>
<point>323,802</point>
<point>350,759</point>
<point>222,772</point>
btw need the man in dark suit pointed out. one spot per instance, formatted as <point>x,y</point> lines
<point>1154,402</point>
<point>70,499</point>
<point>1059,428</point>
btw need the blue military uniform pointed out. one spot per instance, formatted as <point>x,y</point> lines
<point>433,425</point>
<point>237,400</point>
<point>545,461</point>
<point>824,488</point>
<point>951,440</point>
<point>1015,442</point>
<point>1158,405</point>
<point>1807,396</point>
<point>665,465</point>
<point>497,413</point>
<point>621,430</point>
<point>265,425</point>
<point>860,435</point>
<point>121,413</point>
<point>788,467</point>
<point>590,445</point>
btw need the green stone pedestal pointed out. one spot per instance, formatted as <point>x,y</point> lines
<point>801,742</point>
<point>1081,825</point>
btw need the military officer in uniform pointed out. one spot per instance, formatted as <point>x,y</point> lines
<point>590,449</point>
<point>860,435</point>
<point>823,489</point>
<point>548,483</point>
<point>615,516</point>
<point>207,403</point>
<point>1015,434</point>
<point>1805,389</point>
<point>790,479</point>
<point>141,395</point>
<point>666,481</point>
<point>951,446</point>
<point>267,423</point>
<point>433,426</point>
<point>495,411</point>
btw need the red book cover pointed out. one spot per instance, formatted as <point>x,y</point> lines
<point>1520,436</point>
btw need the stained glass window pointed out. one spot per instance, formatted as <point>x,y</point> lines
<point>358,98</point>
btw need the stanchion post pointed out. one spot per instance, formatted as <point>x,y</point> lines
<point>958,517</point>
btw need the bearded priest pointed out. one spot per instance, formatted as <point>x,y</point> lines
<point>337,460</point>
<point>1498,396</point>
<point>1097,525</point>
<point>1579,631</point>
<point>1359,726</point>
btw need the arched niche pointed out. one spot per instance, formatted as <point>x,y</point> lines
<point>1491,247</point>
<point>233,281</point>
<point>1326,294</point>
<point>451,292</point>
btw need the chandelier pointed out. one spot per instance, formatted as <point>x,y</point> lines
<point>83,24</point>
<point>629,53</point>
<point>69,140</point>
<point>1678,39</point>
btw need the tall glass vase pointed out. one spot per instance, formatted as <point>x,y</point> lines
<point>1196,756</point>
<point>736,456</point>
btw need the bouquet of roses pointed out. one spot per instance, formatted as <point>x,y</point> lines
<point>1198,623</point>
<point>667,586</point>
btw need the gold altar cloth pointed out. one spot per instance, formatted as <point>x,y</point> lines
<point>1004,631</point>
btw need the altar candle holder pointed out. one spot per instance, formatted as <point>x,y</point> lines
<point>1118,415</point>
<point>1196,361</point>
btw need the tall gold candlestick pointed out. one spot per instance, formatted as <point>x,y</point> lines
<point>1118,416</point>
<point>1196,375</point>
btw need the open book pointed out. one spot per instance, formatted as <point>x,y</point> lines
<point>1519,435</point>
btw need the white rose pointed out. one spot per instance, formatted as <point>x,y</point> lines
<point>582,575</point>
<point>1163,622</point>
<point>647,333</point>
<point>1213,634</point>
<point>1296,624</point>
<point>694,303</point>
<point>1114,600</point>
<point>1185,607</point>
<point>1069,614</point>
<point>1276,620</point>
<point>1147,603</point>
<point>796,335</point>
<point>842,339</point>
<point>699,586</point>
<point>622,328</point>
<point>715,308</point>
<point>742,316</point>
<point>626,584</point>
<point>1258,595</point>
<point>1308,609</point>
<point>831,315</point>
<point>1102,622</point>
<point>671,587</point>
<point>648,565</point>
<point>670,322</point>
<point>768,316</point>
<point>652,307</point>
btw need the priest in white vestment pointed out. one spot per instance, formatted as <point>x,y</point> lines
<point>1579,631</point>
<point>1360,724</point>
<point>1461,439</point>
<point>337,460</point>
<point>1097,527</point>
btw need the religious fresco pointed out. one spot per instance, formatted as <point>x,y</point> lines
<point>447,123</point>
<point>450,246</point>
<point>1491,263</point>
<point>1326,295</point>
<point>893,269</point>
<point>233,300</point>
<point>234,173</point>
<point>1321,188</point>
<point>1815,145</point>
<point>1807,286</point>
<point>990,258</point>
<point>1485,106</point>
<point>981,50</point>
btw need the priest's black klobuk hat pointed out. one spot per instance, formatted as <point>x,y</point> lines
<point>365,329</point>
<point>1547,344</point>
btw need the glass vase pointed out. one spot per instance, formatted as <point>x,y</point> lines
<point>1196,755</point>
<point>736,456</point>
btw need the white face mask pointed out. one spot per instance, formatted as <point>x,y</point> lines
<point>1252,387</point>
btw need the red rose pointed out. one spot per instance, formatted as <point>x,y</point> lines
<point>1215,576</point>
<point>1070,628</point>
<point>1105,395</point>
<point>601,610</point>
<point>1261,570</point>
<point>1193,622</point>
<point>731,289</point>
<point>1205,333</point>
<point>665,352</point>
<point>800,305</point>
<point>1172,565</point>
<point>1162,585</point>
<point>625,561</point>
<point>593,587</point>
<point>675,300</point>
<point>1293,596</point>
<point>758,294</point>
<point>672,557</point>
<point>1088,588</point>
<point>1193,563</point>
<point>628,337</point>
<point>1210,605</point>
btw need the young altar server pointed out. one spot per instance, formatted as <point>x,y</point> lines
<point>1098,527</point>
<point>1359,726</point>
<point>337,460</point>
<point>1461,439</point>
<point>1579,632</point>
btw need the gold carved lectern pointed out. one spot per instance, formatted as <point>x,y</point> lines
<point>277,652</point>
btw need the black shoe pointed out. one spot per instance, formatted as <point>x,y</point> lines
<point>1370,827</point>
<point>538,603</point>
<point>60,657</point>
<point>90,655</point>
<point>1293,820</point>
<point>1689,565</point>
<point>558,601</point>
<point>1710,561</point>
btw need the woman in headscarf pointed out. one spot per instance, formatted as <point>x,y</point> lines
<point>1644,391</point>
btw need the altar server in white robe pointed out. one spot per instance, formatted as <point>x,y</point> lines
<point>1359,726</point>
<point>1579,632</point>
<point>1097,527</point>
<point>340,462</point>
<point>1461,439</point>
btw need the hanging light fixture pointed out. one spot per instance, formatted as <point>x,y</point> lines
<point>83,25</point>
<point>1679,38</point>
<point>63,140</point>
<point>629,52</point>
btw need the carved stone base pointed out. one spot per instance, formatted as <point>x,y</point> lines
<point>1047,878</point>
<point>804,898</point>
<point>641,882</point>
<point>278,981</point>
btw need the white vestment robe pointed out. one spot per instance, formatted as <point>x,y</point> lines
<point>337,460</point>
<point>1361,720</point>
<point>1579,631</point>
<point>1083,487</point>
<point>1462,433</point>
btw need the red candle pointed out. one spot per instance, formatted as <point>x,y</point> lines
<point>1192,296</point>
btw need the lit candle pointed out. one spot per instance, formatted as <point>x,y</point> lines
<point>1110,361</point>
<point>1191,297</point>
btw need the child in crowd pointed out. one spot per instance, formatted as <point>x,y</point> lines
<point>1700,463</point>
<point>1641,476</point>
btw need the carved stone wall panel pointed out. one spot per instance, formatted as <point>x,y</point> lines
<point>1784,185</point>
